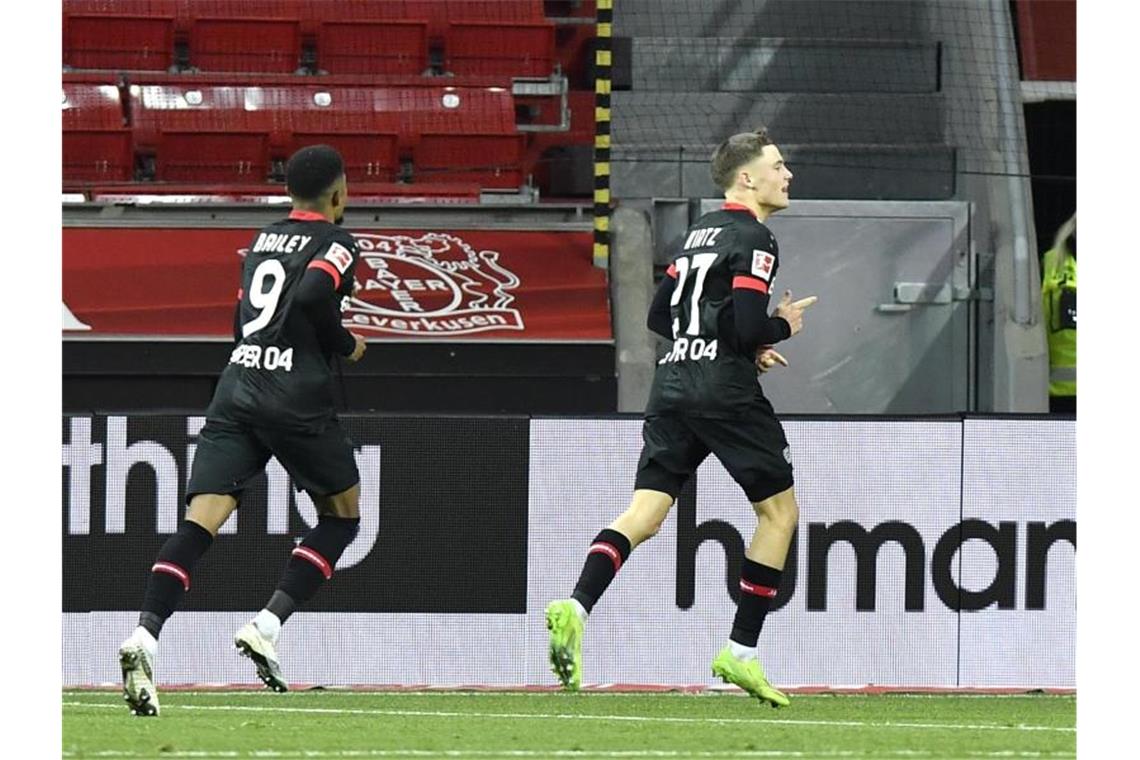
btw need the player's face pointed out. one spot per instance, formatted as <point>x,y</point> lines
<point>341,201</point>
<point>767,178</point>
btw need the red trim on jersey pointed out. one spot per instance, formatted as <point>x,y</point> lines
<point>172,569</point>
<point>755,590</point>
<point>307,216</point>
<point>672,271</point>
<point>325,266</point>
<point>730,206</point>
<point>321,563</point>
<point>609,550</point>
<point>751,283</point>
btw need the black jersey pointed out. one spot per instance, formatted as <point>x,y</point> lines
<point>709,372</point>
<point>279,374</point>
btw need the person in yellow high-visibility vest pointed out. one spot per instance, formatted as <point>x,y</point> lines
<point>1059,311</point>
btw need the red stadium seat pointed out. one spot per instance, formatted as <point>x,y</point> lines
<point>494,11</point>
<point>501,37</point>
<point>245,35</point>
<point>487,47</point>
<point>433,108</point>
<point>437,13</point>
<point>361,192</point>
<point>241,111</point>
<point>234,134</point>
<point>119,34</point>
<point>460,134</point>
<point>216,134</point>
<point>96,140</point>
<point>345,119</point>
<point>492,161</point>
<point>372,47</point>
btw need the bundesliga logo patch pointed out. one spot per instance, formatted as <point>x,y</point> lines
<point>762,263</point>
<point>340,257</point>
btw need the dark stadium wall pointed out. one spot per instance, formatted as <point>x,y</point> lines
<point>1051,134</point>
<point>400,376</point>
<point>1046,35</point>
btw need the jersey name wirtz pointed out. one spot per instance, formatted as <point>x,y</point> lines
<point>702,237</point>
<point>272,242</point>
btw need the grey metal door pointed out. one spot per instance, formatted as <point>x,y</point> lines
<point>892,331</point>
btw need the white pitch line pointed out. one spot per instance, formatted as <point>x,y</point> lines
<point>711,693</point>
<point>269,753</point>
<point>627,718</point>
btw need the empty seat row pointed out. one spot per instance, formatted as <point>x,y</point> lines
<point>259,192</point>
<point>242,134</point>
<point>284,36</point>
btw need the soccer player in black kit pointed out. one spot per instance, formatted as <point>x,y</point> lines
<point>274,398</point>
<point>706,397</point>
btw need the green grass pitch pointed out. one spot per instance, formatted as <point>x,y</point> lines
<point>331,724</point>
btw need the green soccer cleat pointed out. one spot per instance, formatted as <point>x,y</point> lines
<point>748,675</point>
<point>565,643</point>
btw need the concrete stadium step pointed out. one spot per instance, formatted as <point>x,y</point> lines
<point>783,64</point>
<point>667,120</point>
<point>850,19</point>
<point>849,171</point>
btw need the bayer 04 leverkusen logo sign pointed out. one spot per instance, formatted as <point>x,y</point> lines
<point>434,284</point>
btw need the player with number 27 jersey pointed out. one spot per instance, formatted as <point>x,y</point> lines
<point>706,399</point>
<point>279,371</point>
<point>710,370</point>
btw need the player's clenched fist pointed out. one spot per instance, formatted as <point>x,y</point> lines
<point>359,350</point>
<point>793,311</point>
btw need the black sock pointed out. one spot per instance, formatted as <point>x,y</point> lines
<point>604,558</point>
<point>170,576</point>
<point>758,585</point>
<point>281,605</point>
<point>312,563</point>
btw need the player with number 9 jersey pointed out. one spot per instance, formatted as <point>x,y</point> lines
<point>280,371</point>
<point>274,399</point>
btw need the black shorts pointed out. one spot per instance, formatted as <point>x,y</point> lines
<point>752,447</point>
<point>231,454</point>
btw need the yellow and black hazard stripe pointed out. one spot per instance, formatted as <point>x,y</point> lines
<point>602,64</point>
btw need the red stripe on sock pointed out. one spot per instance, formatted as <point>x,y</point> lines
<point>321,563</point>
<point>609,550</point>
<point>172,569</point>
<point>750,588</point>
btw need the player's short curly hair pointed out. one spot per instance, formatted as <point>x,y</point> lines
<point>312,170</point>
<point>734,153</point>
